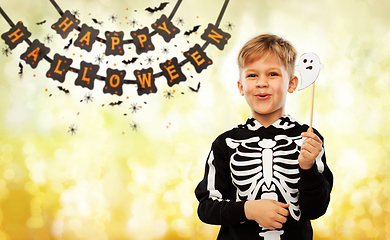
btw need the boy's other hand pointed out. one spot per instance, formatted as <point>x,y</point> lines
<point>311,147</point>
<point>266,212</point>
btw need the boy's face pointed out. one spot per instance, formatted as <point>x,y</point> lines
<point>264,83</point>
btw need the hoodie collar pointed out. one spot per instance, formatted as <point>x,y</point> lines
<point>282,123</point>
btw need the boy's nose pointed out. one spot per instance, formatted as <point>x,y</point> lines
<point>261,82</point>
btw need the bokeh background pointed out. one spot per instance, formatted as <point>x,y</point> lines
<point>129,171</point>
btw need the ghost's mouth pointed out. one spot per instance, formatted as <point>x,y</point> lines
<point>310,67</point>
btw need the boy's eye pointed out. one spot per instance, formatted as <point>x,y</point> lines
<point>273,74</point>
<point>251,76</point>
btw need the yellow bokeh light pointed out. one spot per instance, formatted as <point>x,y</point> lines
<point>108,181</point>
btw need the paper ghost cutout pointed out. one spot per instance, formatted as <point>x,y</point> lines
<point>309,67</point>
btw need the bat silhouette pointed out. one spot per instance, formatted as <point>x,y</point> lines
<point>116,103</point>
<point>63,89</point>
<point>187,33</point>
<point>96,21</point>
<point>161,7</point>
<point>197,88</point>
<point>41,23</point>
<point>70,43</point>
<point>20,68</point>
<point>130,61</point>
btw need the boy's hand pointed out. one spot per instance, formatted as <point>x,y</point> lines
<point>266,212</point>
<point>311,147</point>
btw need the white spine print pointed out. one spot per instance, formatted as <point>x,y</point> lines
<point>260,165</point>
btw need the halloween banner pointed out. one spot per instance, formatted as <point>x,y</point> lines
<point>116,44</point>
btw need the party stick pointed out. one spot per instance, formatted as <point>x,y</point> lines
<point>312,107</point>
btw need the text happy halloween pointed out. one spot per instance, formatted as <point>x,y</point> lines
<point>114,80</point>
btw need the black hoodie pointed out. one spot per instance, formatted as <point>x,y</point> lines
<point>252,162</point>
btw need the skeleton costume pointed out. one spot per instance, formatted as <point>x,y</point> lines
<point>253,162</point>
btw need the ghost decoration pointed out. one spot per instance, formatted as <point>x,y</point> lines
<point>309,67</point>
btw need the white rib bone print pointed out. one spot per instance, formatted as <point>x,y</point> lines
<point>264,165</point>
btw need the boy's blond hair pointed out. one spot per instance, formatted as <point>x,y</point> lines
<point>264,44</point>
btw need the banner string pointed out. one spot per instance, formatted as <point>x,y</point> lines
<point>9,21</point>
<point>57,7</point>
<point>175,9</point>
<point>221,13</point>
<point>218,22</point>
<point>128,41</point>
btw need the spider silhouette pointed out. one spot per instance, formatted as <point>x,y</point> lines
<point>6,51</point>
<point>88,97</point>
<point>165,50</point>
<point>180,21</point>
<point>133,23</point>
<point>134,126</point>
<point>76,13</point>
<point>72,129</point>
<point>149,60</point>
<point>229,25</point>
<point>169,94</point>
<point>113,17</point>
<point>48,38</point>
<point>99,58</point>
<point>134,108</point>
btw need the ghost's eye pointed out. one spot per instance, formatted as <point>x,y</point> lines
<point>304,60</point>
<point>311,61</point>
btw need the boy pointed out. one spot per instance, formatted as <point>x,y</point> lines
<point>266,178</point>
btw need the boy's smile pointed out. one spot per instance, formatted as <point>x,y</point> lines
<point>264,83</point>
<point>264,96</point>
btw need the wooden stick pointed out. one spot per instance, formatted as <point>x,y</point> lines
<point>312,109</point>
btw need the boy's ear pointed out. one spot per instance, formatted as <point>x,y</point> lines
<point>293,84</point>
<point>240,87</point>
